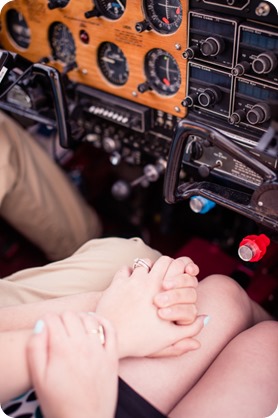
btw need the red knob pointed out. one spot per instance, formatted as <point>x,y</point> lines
<point>253,247</point>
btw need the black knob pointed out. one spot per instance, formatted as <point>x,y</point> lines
<point>204,171</point>
<point>190,52</point>
<point>258,114</point>
<point>92,13</point>
<point>143,87</point>
<point>196,150</point>
<point>265,63</point>
<point>241,68</point>
<point>142,26</point>
<point>237,117</point>
<point>190,100</point>
<point>209,96</point>
<point>54,4</point>
<point>212,46</point>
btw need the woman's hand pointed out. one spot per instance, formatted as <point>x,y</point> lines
<point>72,371</point>
<point>129,304</point>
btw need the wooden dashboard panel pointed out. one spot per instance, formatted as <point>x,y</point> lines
<point>99,29</point>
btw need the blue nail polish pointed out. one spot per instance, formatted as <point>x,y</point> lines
<point>38,328</point>
<point>206,320</point>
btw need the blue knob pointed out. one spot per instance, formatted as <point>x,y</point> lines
<point>200,204</point>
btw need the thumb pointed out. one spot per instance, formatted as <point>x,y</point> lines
<point>178,348</point>
<point>37,353</point>
<point>185,331</point>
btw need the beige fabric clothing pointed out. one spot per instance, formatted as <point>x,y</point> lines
<point>90,268</point>
<point>37,198</point>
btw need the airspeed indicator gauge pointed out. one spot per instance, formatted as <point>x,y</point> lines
<point>162,71</point>
<point>164,16</point>
<point>113,63</point>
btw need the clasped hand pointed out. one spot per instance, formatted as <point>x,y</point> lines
<point>154,313</point>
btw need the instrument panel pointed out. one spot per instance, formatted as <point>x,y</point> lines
<point>137,74</point>
<point>124,48</point>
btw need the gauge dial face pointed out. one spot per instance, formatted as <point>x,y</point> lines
<point>62,43</point>
<point>111,9</point>
<point>162,71</point>
<point>113,63</point>
<point>18,28</point>
<point>164,16</point>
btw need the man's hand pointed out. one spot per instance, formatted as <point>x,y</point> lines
<point>177,300</point>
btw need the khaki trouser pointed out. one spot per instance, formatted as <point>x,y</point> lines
<point>40,202</point>
<point>37,198</point>
<point>90,268</point>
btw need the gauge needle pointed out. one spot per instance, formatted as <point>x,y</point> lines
<point>167,6</point>
<point>120,3</point>
<point>109,60</point>
<point>167,69</point>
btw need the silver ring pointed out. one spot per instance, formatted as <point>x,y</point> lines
<point>100,332</point>
<point>139,262</point>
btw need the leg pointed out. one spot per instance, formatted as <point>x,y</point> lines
<point>242,381</point>
<point>168,381</point>
<point>91,268</point>
<point>36,197</point>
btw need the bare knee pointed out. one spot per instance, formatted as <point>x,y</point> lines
<point>228,298</point>
<point>266,333</point>
<point>256,350</point>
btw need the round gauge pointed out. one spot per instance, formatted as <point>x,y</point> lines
<point>62,43</point>
<point>111,9</point>
<point>113,63</point>
<point>18,28</point>
<point>164,16</point>
<point>162,71</point>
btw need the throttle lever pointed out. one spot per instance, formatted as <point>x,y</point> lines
<point>60,104</point>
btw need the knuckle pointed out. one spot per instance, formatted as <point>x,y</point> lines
<point>66,315</point>
<point>193,295</point>
<point>165,259</point>
<point>179,262</point>
<point>187,295</point>
<point>186,260</point>
<point>186,280</point>
<point>194,281</point>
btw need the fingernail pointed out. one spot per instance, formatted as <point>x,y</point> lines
<point>206,320</point>
<point>38,328</point>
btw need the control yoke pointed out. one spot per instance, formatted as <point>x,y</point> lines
<point>260,205</point>
<point>10,63</point>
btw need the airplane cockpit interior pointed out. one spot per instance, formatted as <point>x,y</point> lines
<point>164,115</point>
